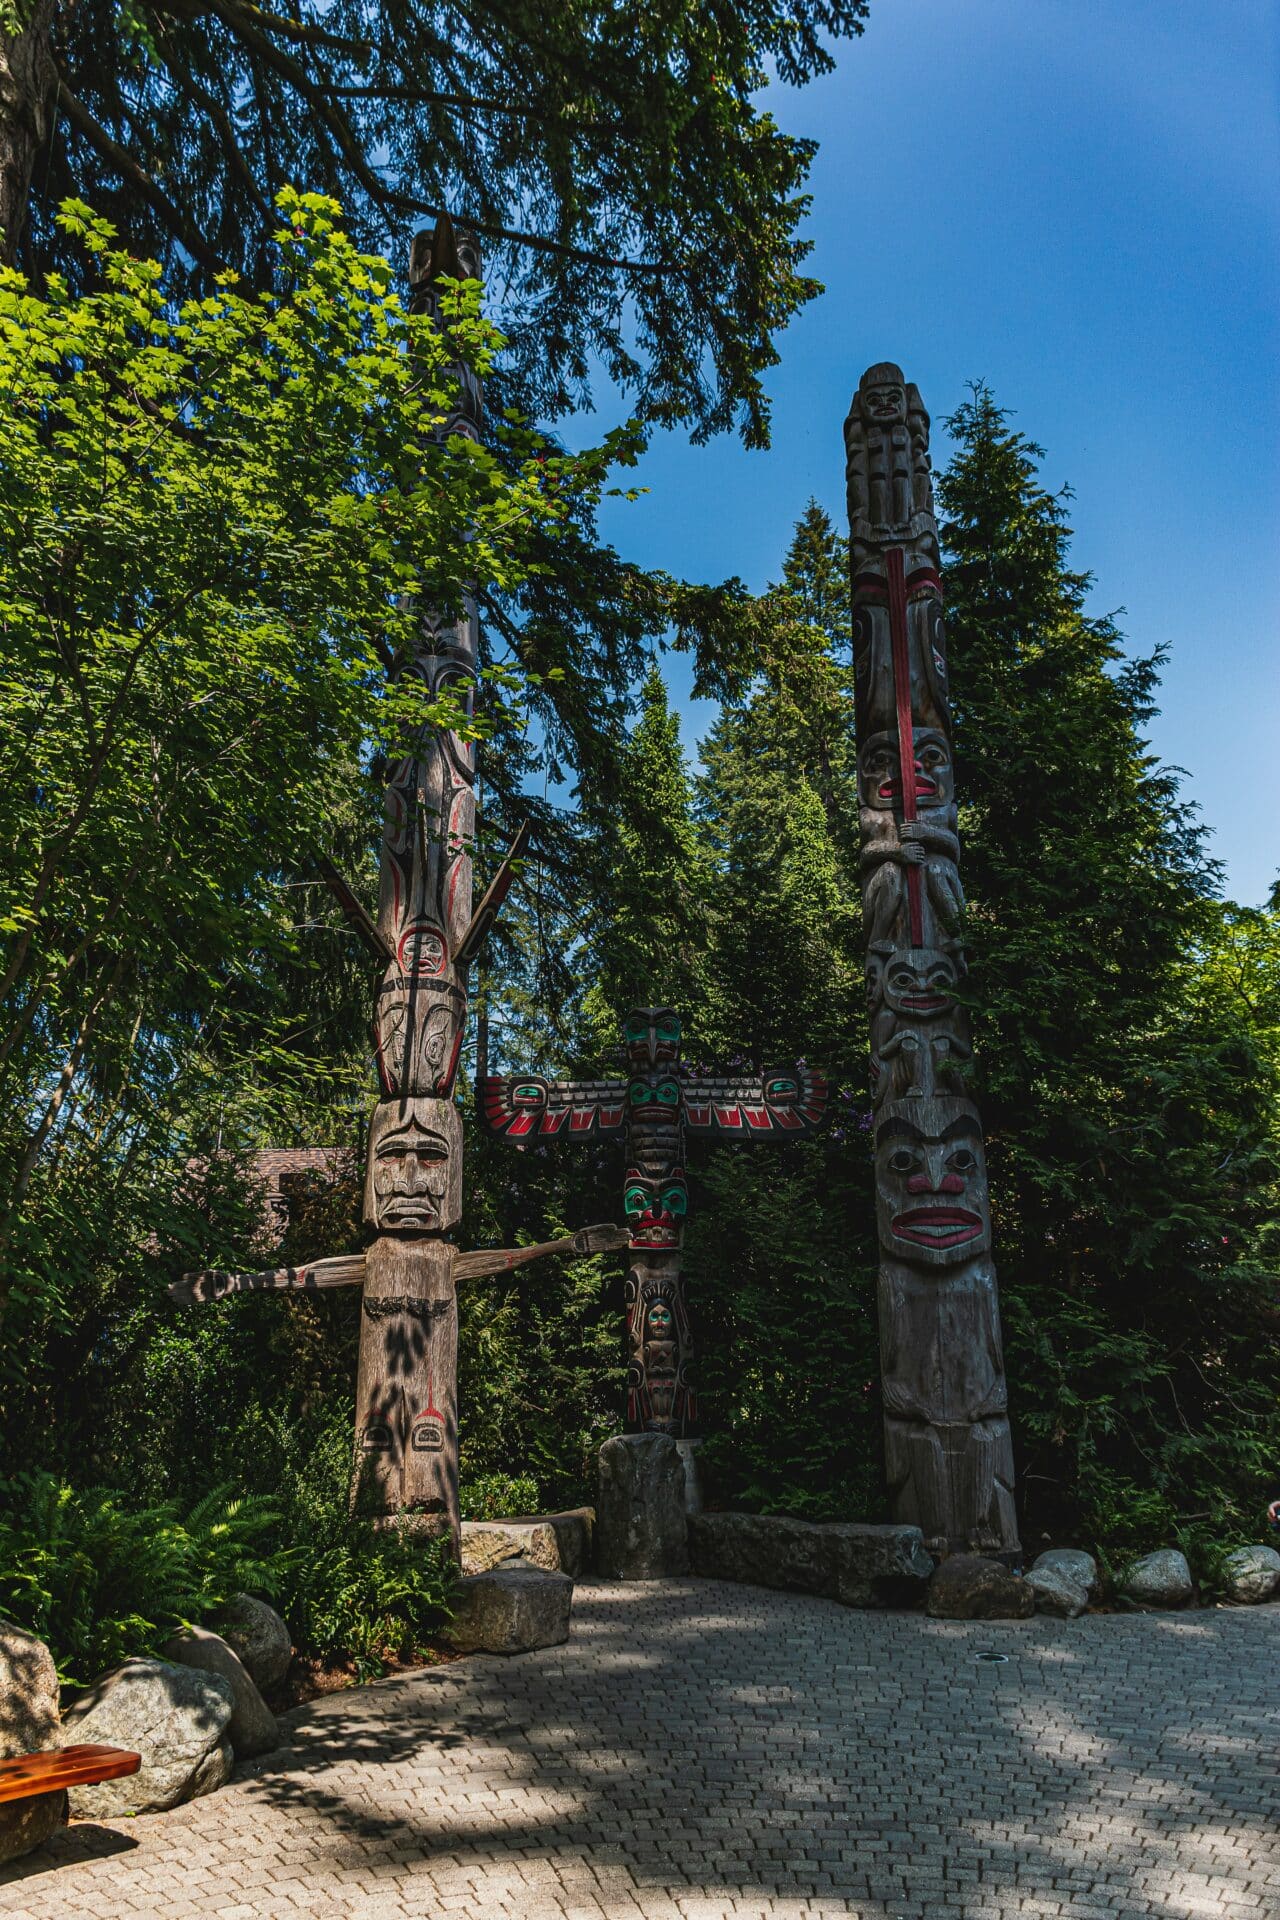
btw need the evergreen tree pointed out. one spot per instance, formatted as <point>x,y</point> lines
<point>637,206</point>
<point>1130,1114</point>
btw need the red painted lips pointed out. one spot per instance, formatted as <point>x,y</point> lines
<point>938,1226</point>
<point>923,1002</point>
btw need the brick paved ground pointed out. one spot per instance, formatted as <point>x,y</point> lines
<point>701,1751</point>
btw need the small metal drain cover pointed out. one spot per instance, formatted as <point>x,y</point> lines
<point>992,1659</point>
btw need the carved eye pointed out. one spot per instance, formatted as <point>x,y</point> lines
<point>902,1160</point>
<point>962,1161</point>
<point>527,1094</point>
<point>639,1093</point>
<point>634,1200</point>
<point>667,1093</point>
<point>637,1029</point>
<point>675,1199</point>
<point>669,1029</point>
<point>781,1089</point>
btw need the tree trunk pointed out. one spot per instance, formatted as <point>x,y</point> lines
<point>28,103</point>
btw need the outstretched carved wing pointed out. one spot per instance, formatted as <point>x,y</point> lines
<point>747,1106</point>
<point>527,1109</point>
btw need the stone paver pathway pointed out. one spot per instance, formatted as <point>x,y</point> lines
<point>700,1751</point>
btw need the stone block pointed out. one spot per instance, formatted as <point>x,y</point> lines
<point>1056,1592</point>
<point>641,1526</point>
<point>176,1717</point>
<point>252,1728</point>
<point>1159,1580</point>
<point>968,1586</point>
<point>1078,1566</point>
<point>510,1609</point>
<point>259,1638</point>
<point>560,1542</point>
<point>861,1566</point>
<point>28,1724</point>
<point>1252,1574</point>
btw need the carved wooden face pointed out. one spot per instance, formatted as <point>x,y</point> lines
<point>652,1036</point>
<point>655,1209</point>
<point>880,774</point>
<point>931,1182</point>
<point>917,982</point>
<point>413,1177</point>
<point>885,402</point>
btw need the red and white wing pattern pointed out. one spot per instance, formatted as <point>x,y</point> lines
<point>527,1109</point>
<point>747,1106</point>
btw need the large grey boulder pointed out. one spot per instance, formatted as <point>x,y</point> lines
<point>488,1543</point>
<point>1252,1574</point>
<point>259,1637</point>
<point>641,1531</point>
<point>1075,1564</point>
<point>176,1717</point>
<point>252,1728</point>
<point>28,1724</point>
<point>968,1586</point>
<point>1160,1579</point>
<point>1056,1592</point>
<point>511,1609</point>
<point>862,1566</point>
<point>558,1542</point>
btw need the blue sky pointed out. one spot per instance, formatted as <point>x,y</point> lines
<point>1079,202</point>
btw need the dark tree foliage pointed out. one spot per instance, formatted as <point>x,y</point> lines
<point>1130,1110</point>
<point>639,209</point>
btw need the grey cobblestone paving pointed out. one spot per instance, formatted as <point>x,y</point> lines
<point>709,1752</point>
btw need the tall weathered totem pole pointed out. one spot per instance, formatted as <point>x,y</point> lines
<point>948,1451</point>
<point>426,936</point>
<point>659,1103</point>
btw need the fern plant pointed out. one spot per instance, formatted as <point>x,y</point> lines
<point>100,1580</point>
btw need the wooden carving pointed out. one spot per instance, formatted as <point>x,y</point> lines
<point>424,937</point>
<point>654,1110</point>
<point>947,1444</point>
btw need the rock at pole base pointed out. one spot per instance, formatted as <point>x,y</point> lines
<point>641,1524</point>
<point>510,1609</point>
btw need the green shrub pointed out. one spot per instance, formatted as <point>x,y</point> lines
<point>498,1496</point>
<point>348,1589</point>
<point>99,1580</point>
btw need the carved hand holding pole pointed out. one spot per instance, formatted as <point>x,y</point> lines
<point>655,1109</point>
<point>948,1450</point>
<point>425,937</point>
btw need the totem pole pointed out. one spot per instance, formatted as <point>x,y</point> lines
<point>655,1108</point>
<point>948,1452</point>
<point>426,936</point>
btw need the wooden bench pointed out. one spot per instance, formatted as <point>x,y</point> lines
<point>32,1773</point>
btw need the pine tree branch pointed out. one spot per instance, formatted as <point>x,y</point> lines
<point>128,169</point>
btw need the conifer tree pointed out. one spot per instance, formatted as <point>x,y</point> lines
<point>1129,1113</point>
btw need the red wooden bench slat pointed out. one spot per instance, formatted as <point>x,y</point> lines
<point>32,1773</point>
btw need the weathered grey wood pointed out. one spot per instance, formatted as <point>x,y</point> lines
<point>602,1239</point>
<point>342,1270</point>
<point>407,1384</point>
<point>495,893</point>
<point>355,913</point>
<point>658,1105</point>
<point>948,1452</point>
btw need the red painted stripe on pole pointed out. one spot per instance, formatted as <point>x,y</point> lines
<point>906,745</point>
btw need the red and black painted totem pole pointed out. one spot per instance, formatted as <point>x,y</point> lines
<point>656,1108</point>
<point>426,936</point>
<point>948,1451</point>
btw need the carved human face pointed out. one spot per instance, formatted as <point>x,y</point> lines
<point>655,1209</point>
<point>931,1182</point>
<point>413,1179</point>
<point>885,402</point>
<point>917,982</point>
<point>652,1036</point>
<point>880,772</point>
